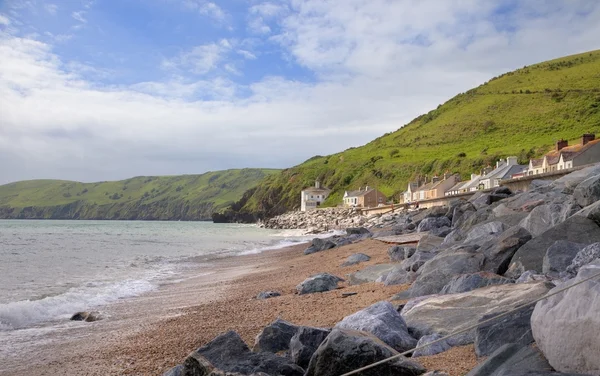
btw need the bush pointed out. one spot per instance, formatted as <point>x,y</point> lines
<point>461,155</point>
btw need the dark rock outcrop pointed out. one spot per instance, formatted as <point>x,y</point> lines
<point>514,328</point>
<point>319,245</point>
<point>275,337</point>
<point>559,256</point>
<point>512,360</point>
<point>305,342</point>
<point>500,251</point>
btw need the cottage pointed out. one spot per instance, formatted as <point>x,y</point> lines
<point>366,198</point>
<point>504,170</point>
<point>413,186</point>
<point>564,156</point>
<point>464,186</point>
<point>312,197</point>
<point>439,187</point>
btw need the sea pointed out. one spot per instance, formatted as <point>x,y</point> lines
<point>51,269</point>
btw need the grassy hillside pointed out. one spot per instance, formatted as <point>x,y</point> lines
<point>519,113</point>
<point>185,197</point>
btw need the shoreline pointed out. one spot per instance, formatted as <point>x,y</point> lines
<point>149,334</point>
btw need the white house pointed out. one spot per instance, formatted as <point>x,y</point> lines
<point>503,170</point>
<point>564,156</point>
<point>312,197</point>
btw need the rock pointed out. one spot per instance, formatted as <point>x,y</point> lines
<point>488,199</point>
<point>502,191</point>
<point>544,217</point>
<point>453,237</point>
<point>559,256</point>
<point>175,371</point>
<point>228,354</point>
<point>472,218</point>
<point>438,271</point>
<point>465,208</point>
<point>357,231</point>
<point>531,255</point>
<point>382,321</point>
<point>584,257</point>
<point>319,283</point>
<point>417,260</point>
<point>484,230</point>
<point>436,373</point>
<point>511,360</point>
<point>356,259</point>
<point>588,191</point>
<point>436,348</point>
<point>435,211</point>
<point>305,342</point>
<point>444,314</point>
<point>399,253</point>
<point>573,179</point>
<point>566,327</point>
<point>429,242</point>
<point>267,294</point>
<point>499,252</point>
<point>591,212</point>
<point>319,245</point>
<point>398,276</point>
<point>514,328</point>
<point>347,350</point>
<point>369,274</point>
<point>275,337</point>
<point>468,282</point>
<point>430,223</point>
<point>87,316</point>
<point>531,276</point>
<point>440,231</point>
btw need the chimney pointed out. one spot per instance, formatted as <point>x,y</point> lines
<point>435,179</point>
<point>317,184</point>
<point>445,175</point>
<point>587,138</point>
<point>560,144</point>
<point>473,176</point>
<point>366,188</point>
<point>512,161</point>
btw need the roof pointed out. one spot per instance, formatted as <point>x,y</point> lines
<point>504,171</point>
<point>316,190</point>
<point>571,152</point>
<point>537,162</point>
<point>458,186</point>
<point>359,193</point>
<point>472,183</point>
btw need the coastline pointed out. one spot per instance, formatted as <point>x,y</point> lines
<point>149,334</point>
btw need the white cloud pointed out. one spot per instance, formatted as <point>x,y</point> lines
<point>4,20</point>
<point>247,54</point>
<point>51,8</point>
<point>200,59</point>
<point>79,16</point>
<point>208,9</point>
<point>260,14</point>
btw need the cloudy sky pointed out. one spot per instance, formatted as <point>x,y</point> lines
<point>109,89</point>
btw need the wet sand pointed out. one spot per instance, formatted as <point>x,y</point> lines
<point>152,333</point>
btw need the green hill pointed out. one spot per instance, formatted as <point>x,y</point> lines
<point>184,197</point>
<point>520,113</point>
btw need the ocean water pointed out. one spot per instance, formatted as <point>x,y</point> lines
<point>52,269</point>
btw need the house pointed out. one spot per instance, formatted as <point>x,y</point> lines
<point>367,198</point>
<point>312,197</point>
<point>464,186</point>
<point>564,156</point>
<point>503,170</point>
<point>439,187</point>
<point>413,186</point>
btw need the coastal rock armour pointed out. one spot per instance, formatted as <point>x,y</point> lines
<point>584,257</point>
<point>468,282</point>
<point>559,256</point>
<point>588,191</point>
<point>305,342</point>
<point>346,350</point>
<point>275,337</point>
<point>511,360</point>
<point>514,328</point>
<point>370,273</point>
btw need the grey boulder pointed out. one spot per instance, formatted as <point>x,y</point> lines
<point>175,371</point>
<point>369,274</point>
<point>275,337</point>
<point>429,243</point>
<point>418,259</point>
<point>591,212</point>
<point>468,282</point>
<point>435,348</point>
<point>430,223</point>
<point>512,360</point>
<point>559,256</point>
<point>357,231</point>
<point>382,321</point>
<point>347,350</point>
<point>319,283</point>
<point>399,253</point>
<point>305,342</point>
<point>356,259</point>
<point>398,276</point>
<point>483,231</point>
<point>267,295</point>
<point>544,217</point>
<point>498,252</point>
<point>514,328</point>
<point>319,245</point>
<point>584,257</point>
<point>588,191</point>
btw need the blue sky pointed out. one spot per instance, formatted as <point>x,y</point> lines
<point>106,89</point>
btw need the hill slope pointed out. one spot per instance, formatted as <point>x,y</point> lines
<point>184,197</point>
<point>519,113</point>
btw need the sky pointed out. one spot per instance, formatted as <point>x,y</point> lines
<point>94,90</point>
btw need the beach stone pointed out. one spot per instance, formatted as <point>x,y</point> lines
<point>436,373</point>
<point>398,276</point>
<point>531,255</point>
<point>468,282</point>
<point>346,350</point>
<point>591,212</point>
<point>588,191</point>
<point>275,337</point>
<point>267,295</point>
<point>514,328</point>
<point>175,371</point>
<point>400,253</point>
<point>356,259</point>
<point>438,271</point>
<point>445,314</point>
<point>227,354</point>
<point>357,231</point>
<point>369,274</point>
<point>436,348</point>
<point>559,256</point>
<point>319,283</point>
<point>87,316</point>
<point>318,245</point>
<point>566,327</point>
<point>382,321</point>
<point>414,262</point>
<point>584,257</point>
<point>464,209</point>
<point>499,251</point>
<point>483,231</point>
<point>453,237</point>
<point>544,217</point>
<point>305,342</point>
<point>430,223</point>
<point>531,276</point>
<point>511,360</point>
<point>429,243</point>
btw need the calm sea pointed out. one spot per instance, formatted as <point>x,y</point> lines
<point>51,269</point>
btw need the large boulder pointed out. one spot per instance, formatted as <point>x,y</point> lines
<point>513,360</point>
<point>571,181</point>
<point>544,217</point>
<point>445,314</point>
<point>566,327</point>
<point>275,337</point>
<point>319,245</point>
<point>382,321</point>
<point>175,371</point>
<point>347,350</point>
<point>305,342</point>
<point>584,257</point>
<point>418,259</point>
<point>499,251</point>
<point>435,348</point>
<point>399,252</point>
<point>588,191</point>
<point>531,255</point>
<point>468,282</point>
<point>484,231</point>
<point>431,223</point>
<point>370,274</point>
<point>228,354</point>
<point>398,276</point>
<point>514,328</point>
<point>319,283</point>
<point>356,258</point>
<point>429,243</point>
<point>559,256</point>
<point>591,212</point>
